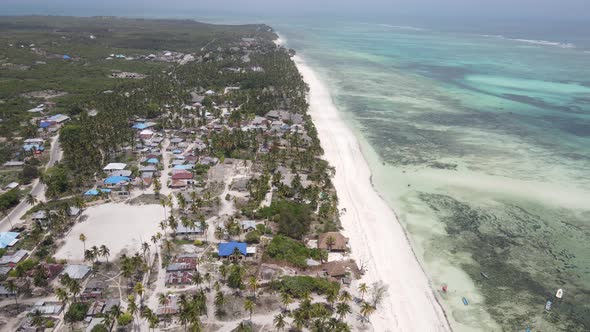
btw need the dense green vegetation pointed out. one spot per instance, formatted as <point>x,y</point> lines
<point>293,218</point>
<point>86,74</point>
<point>76,312</point>
<point>9,199</point>
<point>282,248</point>
<point>299,286</point>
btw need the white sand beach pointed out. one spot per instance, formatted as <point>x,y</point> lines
<point>119,226</point>
<point>376,236</point>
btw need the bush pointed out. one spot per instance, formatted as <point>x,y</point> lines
<point>292,251</point>
<point>99,328</point>
<point>293,218</point>
<point>125,319</point>
<point>299,285</point>
<point>252,237</point>
<point>9,199</point>
<point>76,312</point>
<point>49,324</point>
<point>29,173</point>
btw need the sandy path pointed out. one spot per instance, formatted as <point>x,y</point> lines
<point>376,236</point>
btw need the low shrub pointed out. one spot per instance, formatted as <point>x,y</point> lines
<point>299,285</point>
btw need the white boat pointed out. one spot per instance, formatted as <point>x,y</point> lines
<point>559,293</point>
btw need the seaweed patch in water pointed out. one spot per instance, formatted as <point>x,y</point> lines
<point>524,259</point>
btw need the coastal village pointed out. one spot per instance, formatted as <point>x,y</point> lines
<point>191,199</point>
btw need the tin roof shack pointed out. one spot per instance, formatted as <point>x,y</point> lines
<point>75,271</point>
<point>180,271</point>
<point>169,307</point>
<point>94,289</point>
<point>11,259</point>
<point>48,307</point>
<point>5,293</point>
<point>188,232</point>
<point>342,271</point>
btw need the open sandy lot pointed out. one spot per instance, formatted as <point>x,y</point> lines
<point>119,226</point>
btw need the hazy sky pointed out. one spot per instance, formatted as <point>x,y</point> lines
<point>501,8</point>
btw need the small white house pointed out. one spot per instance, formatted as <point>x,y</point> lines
<point>112,167</point>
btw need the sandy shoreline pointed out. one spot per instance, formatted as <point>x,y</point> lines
<point>376,236</point>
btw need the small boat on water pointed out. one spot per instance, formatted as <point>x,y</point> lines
<point>483,274</point>
<point>465,302</point>
<point>559,293</point>
<point>548,305</point>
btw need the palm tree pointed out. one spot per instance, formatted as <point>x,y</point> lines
<point>115,311</point>
<point>153,321</point>
<point>330,242</point>
<point>79,202</point>
<point>89,256</point>
<point>286,300</point>
<point>219,300</point>
<point>219,233</point>
<point>145,247</point>
<point>138,288</point>
<point>13,288</point>
<point>132,307</point>
<point>37,319</point>
<point>108,320</point>
<point>62,295</point>
<point>198,279</point>
<point>253,285</point>
<point>173,223</point>
<point>83,239</point>
<point>74,287</point>
<point>366,310</point>
<point>31,200</point>
<point>223,271</point>
<point>280,322</point>
<point>332,296</point>
<point>154,240</point>
<point>298,321</point>
<point>249,306</point>
<point>105,252</point>
<point>345,297</point>
<point>363,289</point>
<point>95,252</point>
<point>343,309</point>
<point>204,226</point>
<point>163,226</point>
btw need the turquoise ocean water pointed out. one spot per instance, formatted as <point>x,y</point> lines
<point>480,141</point>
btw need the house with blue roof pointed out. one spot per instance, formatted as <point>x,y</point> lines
<point>116,180</point>
<point>8,239</point>
<point>227,249</point>
<point>184,167</point>
<point>33,147</point>
<point>152,161</point>
<point>95,192</point>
